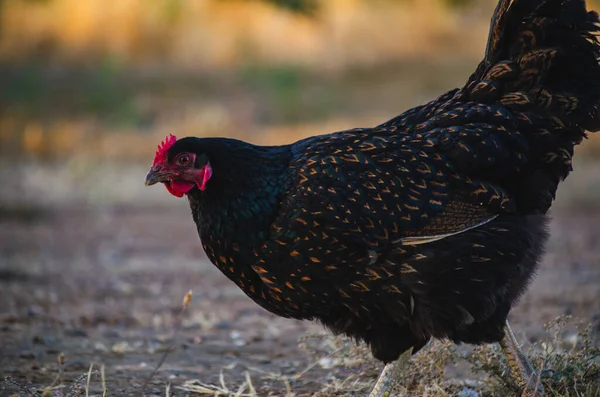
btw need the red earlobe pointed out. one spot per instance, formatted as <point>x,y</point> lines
<point>205,177</point>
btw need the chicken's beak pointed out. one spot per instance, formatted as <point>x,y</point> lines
<point>154,176</point>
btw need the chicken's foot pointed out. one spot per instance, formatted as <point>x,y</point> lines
<point>390,376</point>
<point>520,369</point>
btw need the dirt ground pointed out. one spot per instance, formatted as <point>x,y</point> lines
<point>103,284</point>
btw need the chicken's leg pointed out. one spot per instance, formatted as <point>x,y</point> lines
<point>520,369</point>
<point>390,376</point>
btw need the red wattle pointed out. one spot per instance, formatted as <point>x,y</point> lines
<point>178,189</point>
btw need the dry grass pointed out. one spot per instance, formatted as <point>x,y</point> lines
<point>78,387</point>
<point>569,356</point>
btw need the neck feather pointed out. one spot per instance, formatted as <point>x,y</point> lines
<point>242,196</point>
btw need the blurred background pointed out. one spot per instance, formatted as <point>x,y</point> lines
<point>88,88</point>
<point>90,83</point>
<point>84,83</point>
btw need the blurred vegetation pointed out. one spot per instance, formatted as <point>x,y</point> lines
<point>304,6</point>
<point>204,34</point>
<point>309,6</point>
<point>78,73</point>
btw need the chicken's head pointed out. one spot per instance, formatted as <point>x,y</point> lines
<point>179,167</point>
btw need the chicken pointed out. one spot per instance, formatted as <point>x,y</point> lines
<point>430,225</point>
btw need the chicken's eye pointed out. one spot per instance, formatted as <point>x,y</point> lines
<point>184,160</point>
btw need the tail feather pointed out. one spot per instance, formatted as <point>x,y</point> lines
<point>541,63</point>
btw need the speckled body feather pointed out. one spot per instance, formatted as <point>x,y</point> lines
<point>430,225</point>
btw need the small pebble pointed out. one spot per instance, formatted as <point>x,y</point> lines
<point>76,365</point>
<point>466,392</point>
<point>27,354</point>
<point>43,340</point>
<point>76,333</point>
<point>328,362</point>
<point>223,325</point>
<point>111,333</point>
<point>35,310</point>
<point>197,340</point>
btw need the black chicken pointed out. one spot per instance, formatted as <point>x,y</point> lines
<point>429,225</point>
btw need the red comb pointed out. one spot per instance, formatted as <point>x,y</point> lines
<point>163,148</point>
